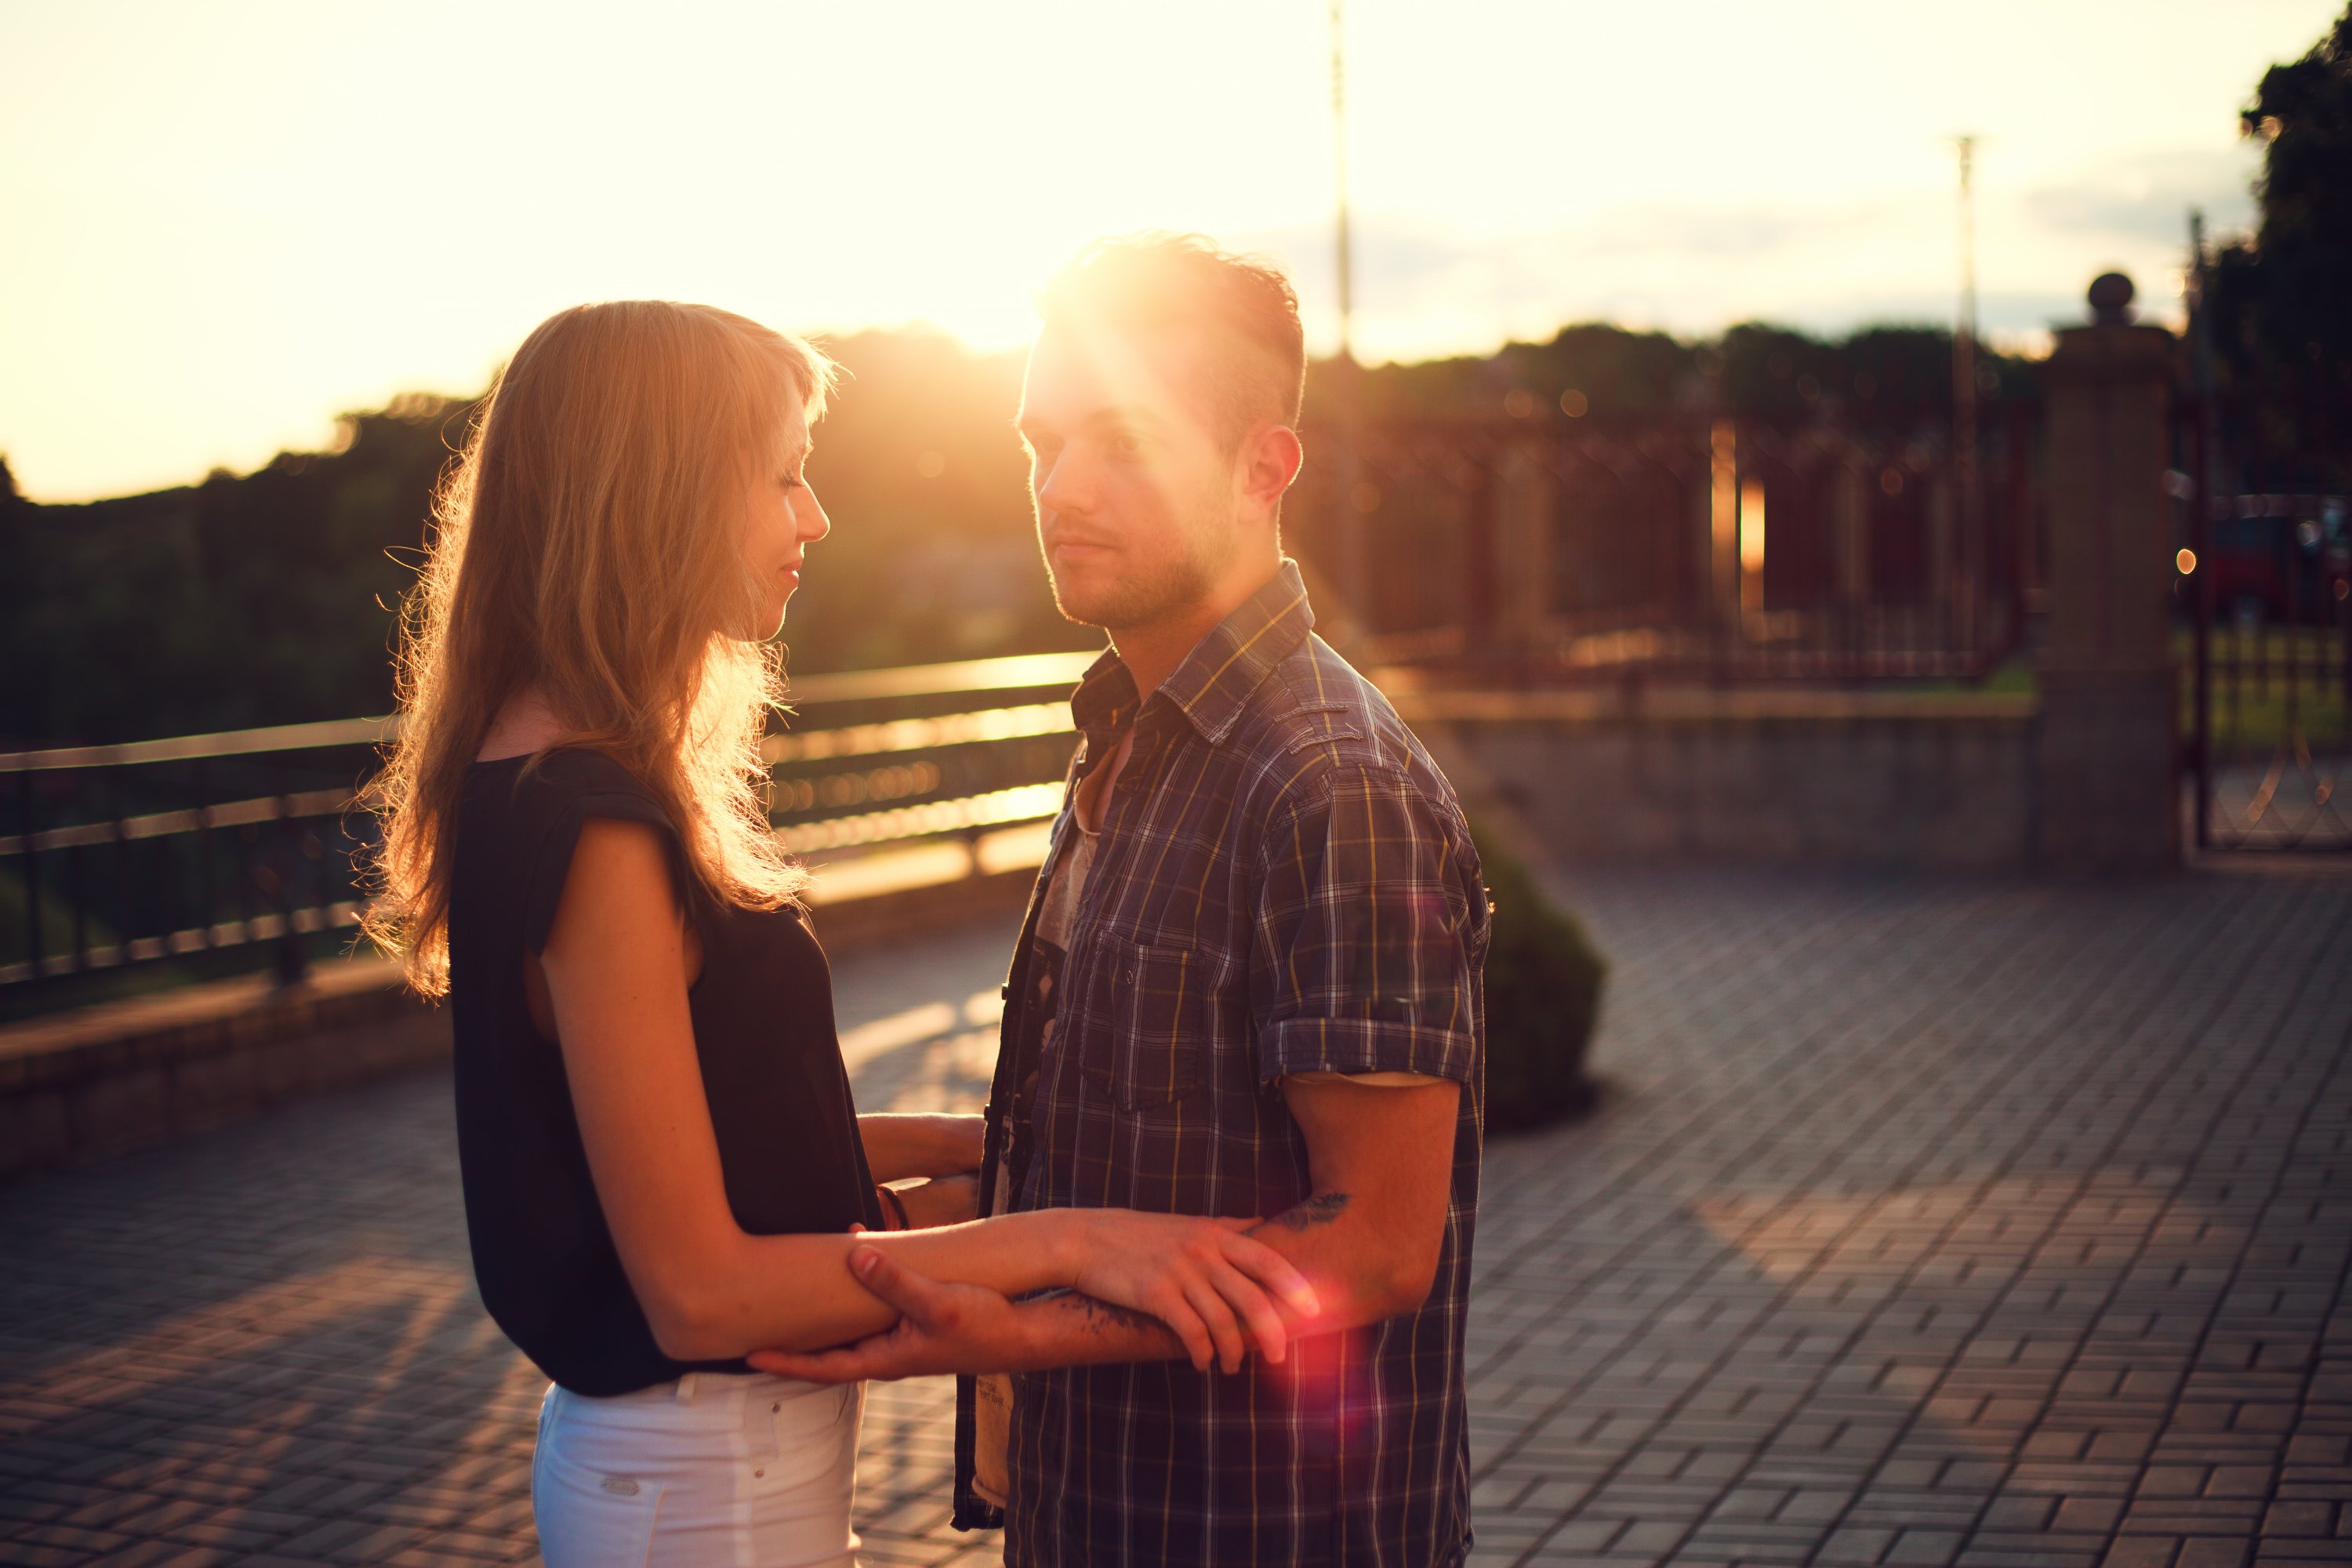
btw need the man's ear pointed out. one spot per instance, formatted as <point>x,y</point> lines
<point>1270,459</point>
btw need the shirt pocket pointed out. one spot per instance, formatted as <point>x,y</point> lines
<point>1158,1013</point>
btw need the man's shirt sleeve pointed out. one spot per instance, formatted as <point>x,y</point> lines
<point>1365,952</point>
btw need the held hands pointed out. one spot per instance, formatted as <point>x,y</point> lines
<point>941,1328</point>
<point>1200,1277</point>
<point>1203,1278</point>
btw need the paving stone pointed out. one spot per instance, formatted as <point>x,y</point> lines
<point>1945,1221</point>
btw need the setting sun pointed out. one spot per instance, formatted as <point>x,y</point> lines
<point>229,223</point>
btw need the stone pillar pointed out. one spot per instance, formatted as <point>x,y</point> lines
<point>2110,699</point>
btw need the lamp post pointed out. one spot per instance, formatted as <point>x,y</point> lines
<point>1964,407</point>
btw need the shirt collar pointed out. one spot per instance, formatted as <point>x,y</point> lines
<point>1217,677</point>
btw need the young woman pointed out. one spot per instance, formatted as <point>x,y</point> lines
<point>663,1170</point>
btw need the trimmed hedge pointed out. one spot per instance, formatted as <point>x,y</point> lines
<point>1543,998</point>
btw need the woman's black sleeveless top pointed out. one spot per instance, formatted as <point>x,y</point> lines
<point>763,1031</point>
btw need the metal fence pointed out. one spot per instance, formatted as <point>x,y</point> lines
<point>128,854</point>
<point>1677,548</point>
<point>2269,584</point>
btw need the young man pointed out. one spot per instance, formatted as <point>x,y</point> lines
<point>1248,985</point>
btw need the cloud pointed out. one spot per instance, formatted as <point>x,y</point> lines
<point>2148,198</point>
<point>1424,288</point>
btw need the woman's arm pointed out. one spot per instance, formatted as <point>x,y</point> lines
<point>898,1146</point>
<point>616,965</point>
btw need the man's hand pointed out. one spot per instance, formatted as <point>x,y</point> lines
<point>941,1328</point>
<point>942,1199</point>
<point>965,1329</point>
<point>899,1145</point>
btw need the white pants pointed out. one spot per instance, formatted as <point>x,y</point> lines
<point>712,1471</point>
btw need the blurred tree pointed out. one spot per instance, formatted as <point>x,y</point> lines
<point>268,598</point>
<point>2282,301</point>
<point>1894,381</point>
<point>1612,371</point>
<point>1777,374</point>
<point>933,555</point>
<point>259,600</point>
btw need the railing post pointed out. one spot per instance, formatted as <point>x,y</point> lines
<point>125,886</point>
<point>1526,504</point>
<point>293,965</point>
<point>1723,541</point>
<point>33,952</point>
<point>76,901</point>
<point>1479,546</point>
<point>1943,563</point>
<point>1853,537</point>
<point>204,886</point>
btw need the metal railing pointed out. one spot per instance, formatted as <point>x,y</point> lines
<point>128,854</point>
<point>2268,587</point>
<point>1681,547</point>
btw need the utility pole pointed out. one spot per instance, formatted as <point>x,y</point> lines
<point>1340,180</point>
<point>1964,407</point>
<point>1351,524</point>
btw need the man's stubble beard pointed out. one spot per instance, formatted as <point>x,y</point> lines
<point>1142,597</point>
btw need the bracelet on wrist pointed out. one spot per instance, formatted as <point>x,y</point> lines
<point>897,1207</point>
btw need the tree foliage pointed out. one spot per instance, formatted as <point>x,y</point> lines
<point>2281,302</point>
<point>1893,382</point>
<point>270,598</point>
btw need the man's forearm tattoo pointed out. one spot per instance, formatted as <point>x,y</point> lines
<point>1103,1315</point>
<point>1320,1209</point>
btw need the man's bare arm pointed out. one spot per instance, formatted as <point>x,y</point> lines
<point>1367,1239</point>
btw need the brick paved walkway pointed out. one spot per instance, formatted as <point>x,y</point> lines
<point>1971,1222</point>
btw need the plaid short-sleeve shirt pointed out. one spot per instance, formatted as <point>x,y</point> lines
<point>1283,884</point>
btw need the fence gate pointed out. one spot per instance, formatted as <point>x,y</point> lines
<point>2269,585</point>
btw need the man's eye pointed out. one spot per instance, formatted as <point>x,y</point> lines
<point>1127,443</point>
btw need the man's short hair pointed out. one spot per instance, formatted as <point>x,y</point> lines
<point>1182,282</point>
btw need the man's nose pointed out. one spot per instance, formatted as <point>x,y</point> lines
<point>808,516</point>
<point>1066,488</point>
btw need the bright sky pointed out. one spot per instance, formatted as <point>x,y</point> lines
<point>222,224</point>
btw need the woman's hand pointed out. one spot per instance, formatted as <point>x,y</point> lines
<point>942,1199</point>
<point>1203,1278</point>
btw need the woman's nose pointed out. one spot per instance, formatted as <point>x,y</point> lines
<point>808,516</point>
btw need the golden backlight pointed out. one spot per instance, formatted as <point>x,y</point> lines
<point>226,223</point>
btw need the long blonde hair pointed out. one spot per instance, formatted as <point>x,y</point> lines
<point>586,545</point>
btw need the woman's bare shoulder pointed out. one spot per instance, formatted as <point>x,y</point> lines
<point>525,724</point>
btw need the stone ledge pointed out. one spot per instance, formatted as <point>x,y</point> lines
<point>123,1075</point>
